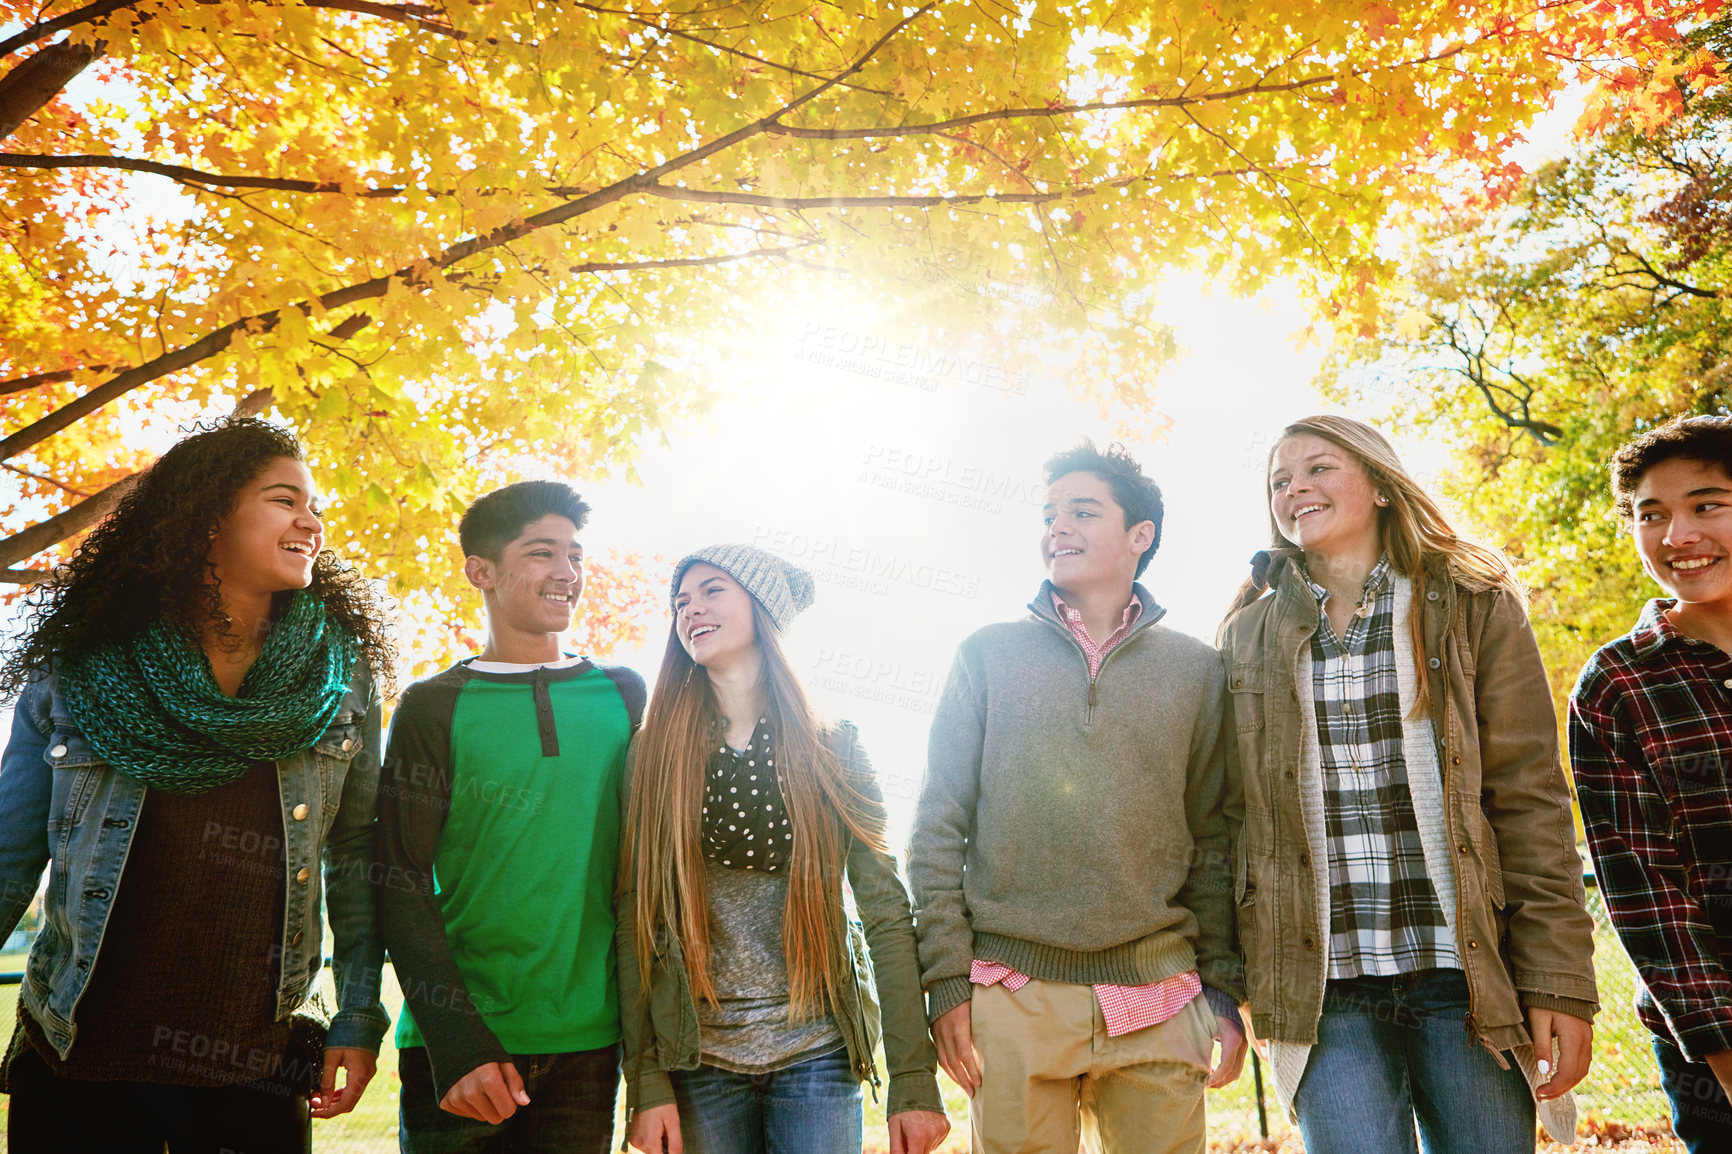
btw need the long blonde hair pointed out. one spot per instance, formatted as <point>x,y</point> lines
<point>662,843</point>
<point>1412,527</point>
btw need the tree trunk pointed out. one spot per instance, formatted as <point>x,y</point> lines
<point>25,89</point>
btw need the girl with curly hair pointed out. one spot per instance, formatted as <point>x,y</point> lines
<point>198,725</point>
<point>745,993</point>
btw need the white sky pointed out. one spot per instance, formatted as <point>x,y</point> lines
<point>918,509</point>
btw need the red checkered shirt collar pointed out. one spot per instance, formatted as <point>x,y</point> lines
<point>1653,629</point>
<point>1097,653</point>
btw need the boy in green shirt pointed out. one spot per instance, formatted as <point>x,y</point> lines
<point>498,843</point>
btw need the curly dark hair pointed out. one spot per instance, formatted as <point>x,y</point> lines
<point>150,559</point>
<point>1137,494</point>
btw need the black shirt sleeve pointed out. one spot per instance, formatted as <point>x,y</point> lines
<point>414,799</point>
<point>632,691</point>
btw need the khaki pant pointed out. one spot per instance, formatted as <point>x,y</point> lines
<point>1049,1072</point>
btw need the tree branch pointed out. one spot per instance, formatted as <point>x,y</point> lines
<point>61,485</point>
<point>414,15</point>
<point>191,175</point>
<point>698,40</point>
<point>35,380</point>
<point>48,28</point>
<point>36,81</point>
<point>797,203</point>
<point>1661,280</point>
<point>31,541</point>
<point>1048,112</point>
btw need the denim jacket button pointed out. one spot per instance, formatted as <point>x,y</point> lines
<point>57,751</point>
<point>1434,663</point>
<point>303,875</point>
<point>348,744</point>
<point>1431,596</point>
<point>299,813</point>
<point>296,940</point>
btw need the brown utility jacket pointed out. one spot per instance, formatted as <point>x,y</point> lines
<point>1523,934</point>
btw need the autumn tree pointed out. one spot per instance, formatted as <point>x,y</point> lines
<point>1536,338</point>
<point>465,239</point>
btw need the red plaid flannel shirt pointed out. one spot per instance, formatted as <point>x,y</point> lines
<point>1650,741</point>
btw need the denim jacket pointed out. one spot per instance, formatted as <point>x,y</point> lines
<point>60,804</point>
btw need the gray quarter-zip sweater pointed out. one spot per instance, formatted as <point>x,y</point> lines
<point>1075,829</point>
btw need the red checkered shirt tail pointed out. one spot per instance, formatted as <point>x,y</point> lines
<point>1125,1008</point>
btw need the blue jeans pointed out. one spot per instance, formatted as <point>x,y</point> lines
<point>570,1109</point>
<point>1389,1049</point>
<point>1701,1116</point>
<point>810,1107</point>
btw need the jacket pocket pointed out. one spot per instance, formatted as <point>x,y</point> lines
<point>1253,936</point>
<point>78,769</point>
<point>336,748</point>
<point>1245,685</point>
<point>1493,859</point>
<point>869,1025</point>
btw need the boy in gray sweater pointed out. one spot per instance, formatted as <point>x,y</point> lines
<point>1070,859</point>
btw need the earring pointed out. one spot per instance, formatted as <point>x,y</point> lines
<point>1382,500</point>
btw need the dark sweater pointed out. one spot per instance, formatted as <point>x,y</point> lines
<point>185,986</point>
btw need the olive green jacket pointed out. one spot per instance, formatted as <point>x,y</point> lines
<point>1523,934</point>
<point>879,968</point>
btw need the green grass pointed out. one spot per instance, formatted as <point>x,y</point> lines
<point>1623,1083</point>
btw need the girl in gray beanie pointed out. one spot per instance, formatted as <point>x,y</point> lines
<point>747,1025</point>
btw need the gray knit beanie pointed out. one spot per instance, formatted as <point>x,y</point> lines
<point>781,587</point>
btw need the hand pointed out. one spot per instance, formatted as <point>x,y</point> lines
<point>357,1066</point>
<point>657,1130</point>
<point>490,1093</point>
<point>1721,1064</point>
<point>917,1131</point>
<point>1230,1032</point>
<point>1575,1040</point>
<point>954,1034</point>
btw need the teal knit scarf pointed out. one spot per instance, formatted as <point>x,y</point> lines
<point>151,707</point>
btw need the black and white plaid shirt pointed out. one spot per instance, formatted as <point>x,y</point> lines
<point>1384,916</point>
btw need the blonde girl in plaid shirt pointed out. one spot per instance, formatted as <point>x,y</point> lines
<point>1372,891</point>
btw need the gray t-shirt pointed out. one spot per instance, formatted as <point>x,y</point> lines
<point>751,1031</point>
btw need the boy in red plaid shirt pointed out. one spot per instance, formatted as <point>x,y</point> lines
<point>1650,742</point>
